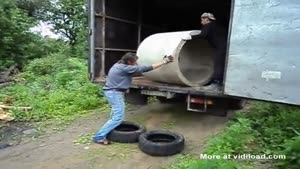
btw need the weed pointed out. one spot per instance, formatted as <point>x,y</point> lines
<point>84,139</point>
<point>169,125</point>
<point>56,88</point>
<point>114,151</point>
<point>192,162</point>
<point>264,129</point>
<point>292,150</point>
<point>152,99</point>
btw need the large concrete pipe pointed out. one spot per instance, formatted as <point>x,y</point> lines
<point>193,63</point>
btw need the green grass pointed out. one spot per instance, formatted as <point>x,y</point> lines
<point>265,128</point>
<point>85,139</point>
<point>116,151</point>
<point>56,87</point>
<point>192,162</point>
<point>168,125</point>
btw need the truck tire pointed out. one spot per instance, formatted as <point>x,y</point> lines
<point>135,97</point>
<point>237,104</point>
<point>126,132</point>
<point>161,143</point>
<point>164,100</point>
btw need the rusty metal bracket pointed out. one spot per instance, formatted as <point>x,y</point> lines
<point>204,109</point>
<point>168,95</point>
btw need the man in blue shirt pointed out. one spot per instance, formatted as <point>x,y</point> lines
<point>118,82</point>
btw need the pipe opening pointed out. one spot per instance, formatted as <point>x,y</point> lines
<point>196,62</point>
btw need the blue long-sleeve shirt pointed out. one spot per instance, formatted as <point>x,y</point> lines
<point>120,75</point>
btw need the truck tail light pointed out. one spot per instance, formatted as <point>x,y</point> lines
<point>201,101</point>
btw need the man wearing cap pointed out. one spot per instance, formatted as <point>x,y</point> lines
<point>117,83</point>
<point>216,37</point>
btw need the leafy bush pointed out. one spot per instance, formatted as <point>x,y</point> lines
<point>264,129</point>
<point>292,151</point>
<point>55,87</point>
<point>14,26</point>
<point>274,122</point>
<point>54,64</point>
<point>235,139</point>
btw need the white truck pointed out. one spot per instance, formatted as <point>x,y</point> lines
<point>262,60</point>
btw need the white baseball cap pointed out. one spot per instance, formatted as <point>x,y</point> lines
<point>208,15</point>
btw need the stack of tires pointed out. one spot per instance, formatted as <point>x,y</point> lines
<point>155,143</point>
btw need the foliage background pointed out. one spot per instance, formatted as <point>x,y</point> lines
<point>54,76</point>
<point>53,81</point>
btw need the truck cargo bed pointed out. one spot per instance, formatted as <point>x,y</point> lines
<point>146,84</point>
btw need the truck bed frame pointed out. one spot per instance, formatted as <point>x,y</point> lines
<point>145,84</point>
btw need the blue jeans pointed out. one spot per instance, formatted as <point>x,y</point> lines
<point>116,100</point>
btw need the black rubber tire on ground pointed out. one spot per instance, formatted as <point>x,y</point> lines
<point>126,132</point>
<point>161,143</point>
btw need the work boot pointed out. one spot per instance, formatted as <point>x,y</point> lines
<point>103,141</point>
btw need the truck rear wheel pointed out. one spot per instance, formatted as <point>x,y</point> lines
<point>135,97</point>
<point>164,100</point>
<point>237,104</point>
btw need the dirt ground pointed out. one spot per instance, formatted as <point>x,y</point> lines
<point>58,150</point>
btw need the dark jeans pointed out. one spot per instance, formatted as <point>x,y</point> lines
<point>219,63</point>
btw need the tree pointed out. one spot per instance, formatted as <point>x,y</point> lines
<point>68,17</point>
<point>32,7</point>
<point>18,45</point>
<point>14,33</point>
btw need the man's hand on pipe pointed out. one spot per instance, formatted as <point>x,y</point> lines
<point>168,59</point>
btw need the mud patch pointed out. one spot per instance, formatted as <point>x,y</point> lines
<point>12,133</point>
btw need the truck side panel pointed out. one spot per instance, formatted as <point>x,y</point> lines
<point>263,61</point>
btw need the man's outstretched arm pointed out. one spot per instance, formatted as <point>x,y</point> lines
<point>141,69</point>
